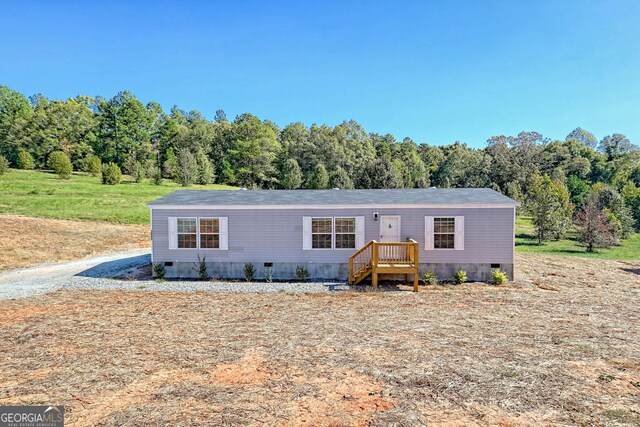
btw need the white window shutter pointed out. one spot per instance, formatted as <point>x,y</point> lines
<point>428,233</point>
<point>306,233</point>
<point>223,224</point>
<point>173,233</point>
<point>359,232</point>
<point>459,240</point>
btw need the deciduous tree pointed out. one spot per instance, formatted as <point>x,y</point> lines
<point>594,230</point>
<point>550,208</point>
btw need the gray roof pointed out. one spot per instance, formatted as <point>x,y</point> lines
<point>426,196</point>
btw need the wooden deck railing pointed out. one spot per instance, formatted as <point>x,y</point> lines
<point>384,257</point>
<point>361,260</point>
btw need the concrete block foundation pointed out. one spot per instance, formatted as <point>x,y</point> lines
<point>325,271</point>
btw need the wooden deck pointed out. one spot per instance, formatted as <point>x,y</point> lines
<point>377,258</point>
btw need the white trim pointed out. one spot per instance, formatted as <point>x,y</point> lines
<point>514,242</point>
<point>399,225</point>
<point>360,232</point>
<point>306,233</point>
<point>172,230</point>
<point>428,233</point>
<point>223,228</point>
<point>316,207</point>
<point>151,233</point>
<point>458,238</point>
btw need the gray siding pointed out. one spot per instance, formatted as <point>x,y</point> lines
<point>266,235</point>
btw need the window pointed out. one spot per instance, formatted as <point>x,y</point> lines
<point>199,233</point>
<point>187,232</point>
<point>345,233</point>
<point>332,233</point>
<point>321,233</point>
<point>209,233</point>
<point>444,233</point>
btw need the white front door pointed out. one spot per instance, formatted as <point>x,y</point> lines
<point>389,228</point>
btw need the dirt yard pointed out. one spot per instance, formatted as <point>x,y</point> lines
<point>561,346</point>
<point>26,241</point>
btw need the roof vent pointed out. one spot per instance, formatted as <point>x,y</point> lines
<point>335,188</point>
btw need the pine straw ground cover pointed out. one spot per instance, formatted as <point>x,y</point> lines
<point>558,347</point>
<point>28,241</point>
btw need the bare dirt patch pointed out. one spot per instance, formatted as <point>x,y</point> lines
<point>469,355</point>
<point>26,241</point>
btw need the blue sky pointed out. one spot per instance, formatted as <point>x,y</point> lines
<point>436,71</point>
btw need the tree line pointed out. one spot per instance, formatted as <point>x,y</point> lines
<point>556,178</point>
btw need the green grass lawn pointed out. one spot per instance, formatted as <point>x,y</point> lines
<point>527,242</point>
<point>43,194</point>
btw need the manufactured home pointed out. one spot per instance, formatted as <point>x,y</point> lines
<point>335,234</point>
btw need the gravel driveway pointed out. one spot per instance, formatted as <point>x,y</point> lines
<point>46,278</point>
<point>97,273</point>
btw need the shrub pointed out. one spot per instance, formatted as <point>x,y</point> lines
<point>302,273</point>
<point>4,165</point>
<point>136,169</point>
<point>111,174</point>
<point>25,160</point>
<point>499,277</point>
<point>139,174</point>
<point>60,164</point>
<point>200,267</point>
<point>268,274</point>
<point>249,272</point>
<point>429,277</point>
<point>460,276</point>
<point>94,165</point>
<point>159,271</point>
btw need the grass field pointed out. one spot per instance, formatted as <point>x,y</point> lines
<point>43,194</point>
<point>527,242</point>
<point>557,347</point>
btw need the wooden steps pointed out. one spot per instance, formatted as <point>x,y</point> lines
<point>384,258</point>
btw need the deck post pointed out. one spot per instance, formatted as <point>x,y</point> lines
<point>350,270</point>
<point>374,265</point>
<point>416,262</point>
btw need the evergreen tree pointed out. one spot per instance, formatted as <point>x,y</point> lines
<point>94,165</point>
<point>380,173</point>
<point>205,169</point>
<point>340,179</point>
<point>111,174</point>
<point>319,179</point>
<point>187,168</point>
<point>291,175</point>
<point>170,165</point>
